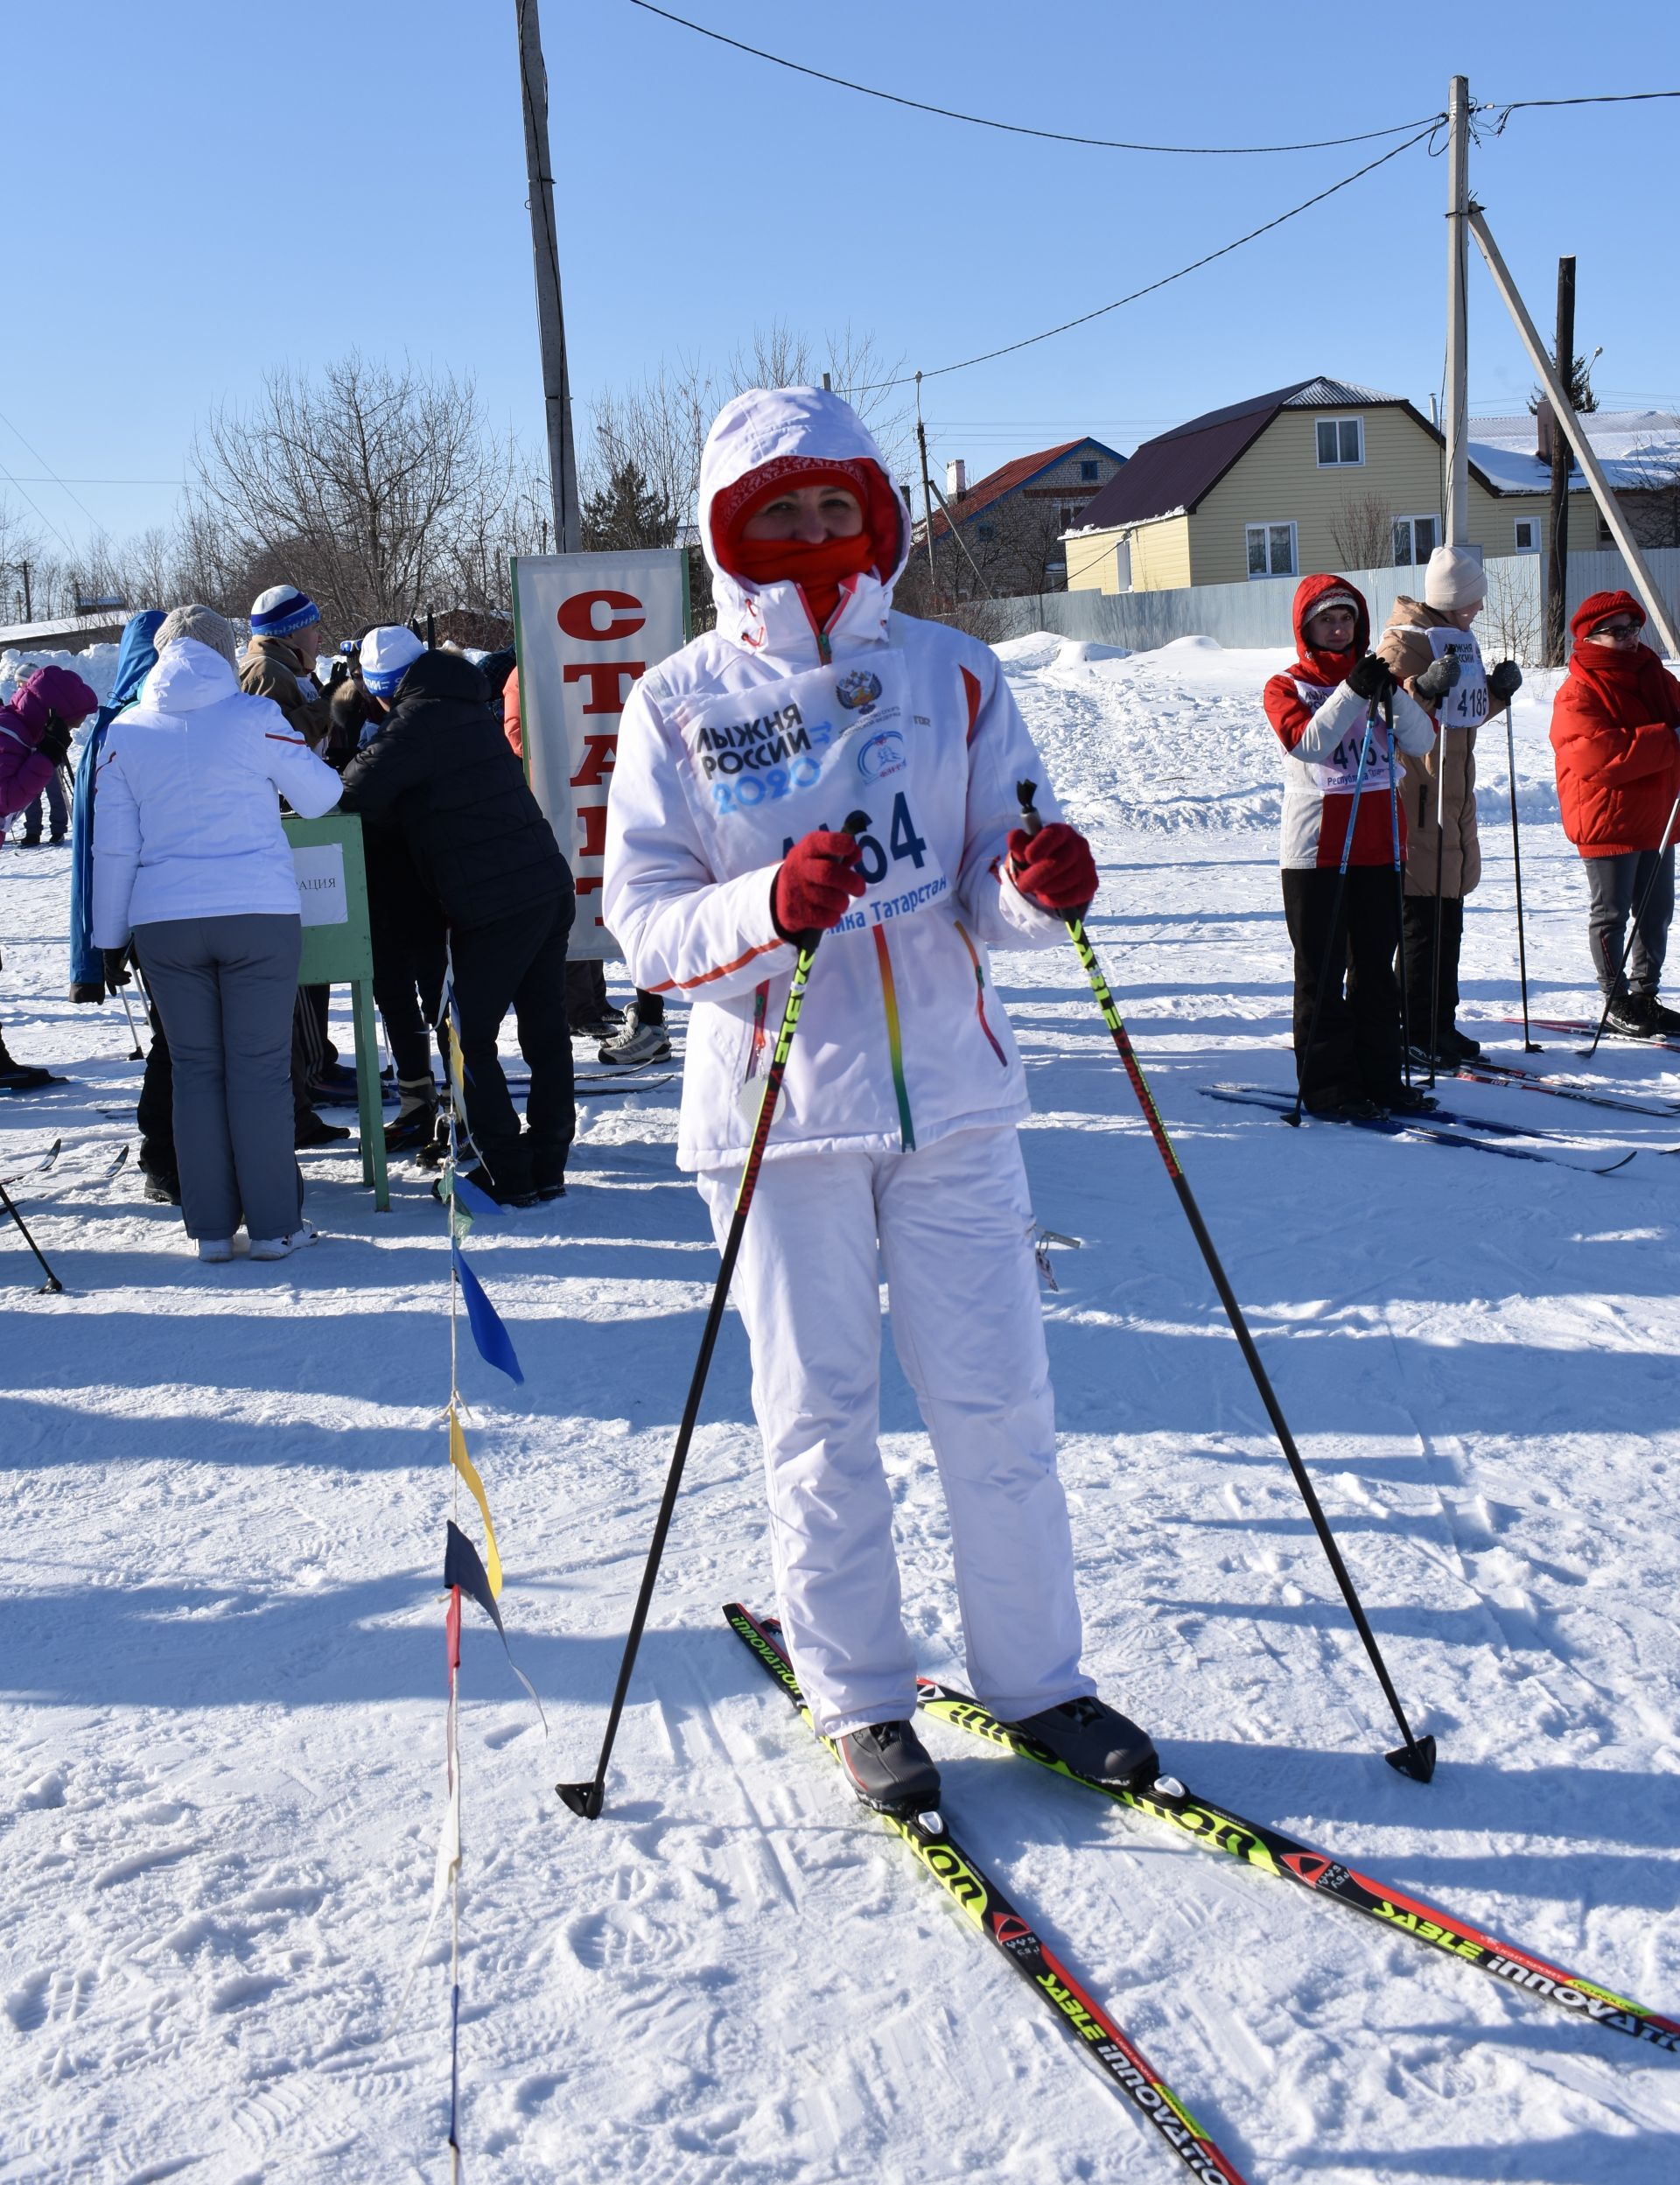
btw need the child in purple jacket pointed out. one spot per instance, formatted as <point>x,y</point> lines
<point>35,728</point>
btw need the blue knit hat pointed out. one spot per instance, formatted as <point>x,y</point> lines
<point>282,609</point>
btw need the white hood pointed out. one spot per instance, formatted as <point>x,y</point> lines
<point>754,429</point>
<point>188,676</point>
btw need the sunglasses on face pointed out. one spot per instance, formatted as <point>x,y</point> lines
<point>1618,629</point>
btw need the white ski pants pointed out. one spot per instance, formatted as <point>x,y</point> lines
<point>953,1226</point>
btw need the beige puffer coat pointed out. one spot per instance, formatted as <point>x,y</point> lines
<point>272,669</point>
<point>1405,645</point>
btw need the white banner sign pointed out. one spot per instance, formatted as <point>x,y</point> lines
<point>587,626</point>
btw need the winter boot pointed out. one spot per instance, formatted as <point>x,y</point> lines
<point>1667,1020</point>
<point>504,1195</point>
<point>20,1076</point>
<point>1095,1739</point>
<point>1461,1047</point>
<point>634,1045</point>
<point>163,1182</point>
<point>416,1122</point>
<point>889,1768</point>
<point>1410,1100</point>
<point>310,1130</point>
<point>435,1151</point>
<point>1634,1016</point>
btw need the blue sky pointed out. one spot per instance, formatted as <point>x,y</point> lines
<point>206,191</point>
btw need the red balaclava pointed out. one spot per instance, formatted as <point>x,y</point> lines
<point>820,571</point>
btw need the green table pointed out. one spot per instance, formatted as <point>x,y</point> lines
<point>338,951</point>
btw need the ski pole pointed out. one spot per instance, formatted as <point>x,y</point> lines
<point>52,1286</point>
<point>1416,1757</point>
<point>1531,1046</point>
<point>1399,887</point>
<point>139,1053</point>
<point>1587,1053</point>
<point>1294,1117</point>
<point>587,1799</point>
<point>1440,874</point>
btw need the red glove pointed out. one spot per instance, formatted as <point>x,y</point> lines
<point>1054,868</point>
<point>815,884</point>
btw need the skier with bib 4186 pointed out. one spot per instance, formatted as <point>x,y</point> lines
<point>894,1147</point>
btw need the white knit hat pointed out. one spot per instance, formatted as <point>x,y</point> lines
<point>281,610</point>
<point>1454,578</point>
<point>387,656</point>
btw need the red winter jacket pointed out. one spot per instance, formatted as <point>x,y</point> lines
<point>24,772</point>
<point>1612,730</point>
<point>1321,725</point>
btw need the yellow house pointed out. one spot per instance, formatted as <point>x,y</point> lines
<point>1319,475</point>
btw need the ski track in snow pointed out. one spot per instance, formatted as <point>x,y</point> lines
<point>224,1495</point>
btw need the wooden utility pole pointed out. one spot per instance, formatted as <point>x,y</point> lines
<point>1458,352</point>
<point>1557,558</point>
<point>1657,604</point>
<point>551,327</point>
<point>926,497</point>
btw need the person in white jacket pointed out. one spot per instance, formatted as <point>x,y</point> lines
<point>189,857</point>
<point>895,1144</point>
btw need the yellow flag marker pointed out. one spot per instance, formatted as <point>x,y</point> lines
<point>465,1466</point>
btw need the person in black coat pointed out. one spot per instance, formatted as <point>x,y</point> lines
<point>440,774</point>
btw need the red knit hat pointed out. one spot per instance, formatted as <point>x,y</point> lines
<point>1599,607</point>
<point>734,504</point>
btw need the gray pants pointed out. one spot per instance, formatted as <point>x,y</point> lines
<point>224,988</point>
<point>1615,885</point>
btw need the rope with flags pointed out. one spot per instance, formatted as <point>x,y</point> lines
<point>465,1569</point>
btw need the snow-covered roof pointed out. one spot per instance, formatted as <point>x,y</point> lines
<point>1631,444</point>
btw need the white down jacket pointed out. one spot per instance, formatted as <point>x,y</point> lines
<point>758,731</point>
<point>186,817</point>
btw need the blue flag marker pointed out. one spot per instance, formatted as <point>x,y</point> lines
<point>495,1347</point>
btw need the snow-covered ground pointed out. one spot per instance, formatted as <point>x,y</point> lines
<point>223,1659</point>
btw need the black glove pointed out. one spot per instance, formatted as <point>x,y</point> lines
<point>55,740</point>
<point>1504,681</point>
<point>116,968</point>
<point>1371,678</point>
<point>340,672</point>
<point>92,990</point>
<point>1437,679</point>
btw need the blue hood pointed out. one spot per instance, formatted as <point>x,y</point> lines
<point>136,656</point>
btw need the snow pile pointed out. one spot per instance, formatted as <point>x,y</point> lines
<point>96,666</point>
<point>223,1654</point>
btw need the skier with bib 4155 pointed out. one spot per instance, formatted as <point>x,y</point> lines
<point>894,1147</point>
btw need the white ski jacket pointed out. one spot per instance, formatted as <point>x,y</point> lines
<point>760,730</point>
<point>186,799</point>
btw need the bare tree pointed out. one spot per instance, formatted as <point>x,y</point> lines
<point>1361,531</point>
<point>1515,625</point>
<point>358,487</point>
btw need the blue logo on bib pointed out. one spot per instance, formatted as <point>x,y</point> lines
<point>882,755</point>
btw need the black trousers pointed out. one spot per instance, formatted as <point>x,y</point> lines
<point>154,1113</point>
<point>518,963</point>
<point>409,960</point>
<point>1356,1053</point>
<point>1418,955</point>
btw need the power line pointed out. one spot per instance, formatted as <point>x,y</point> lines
<point>39,511</point>
<point>1019,129</point>
<point>1504,107</point>
<point>47,467</point>
<point>52,478</point>
<point>1165,281</point>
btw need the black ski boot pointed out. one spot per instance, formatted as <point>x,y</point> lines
<point>17,1076</point>
<point>163,1182</point>
<point>1094,1738</point>
<point>889,1768</point>
<point>1409,1100</point>
<point>1634,1016</point>
<point>1666,1020</point>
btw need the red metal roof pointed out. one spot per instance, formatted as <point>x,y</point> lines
<point>1004,480</point>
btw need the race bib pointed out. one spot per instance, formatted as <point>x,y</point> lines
<point>811,751</point>
<point>1466,704</point>
<point>1338,775</point>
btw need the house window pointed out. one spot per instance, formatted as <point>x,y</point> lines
<point>1272,549</point>
<point>1528,534</point>
<point>1340,440</point>
<point>1415,540</point>
<point>1088,471</point>
<point>986,531</point>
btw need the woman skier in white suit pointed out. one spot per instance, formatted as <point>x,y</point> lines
<point>895,1144</point>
